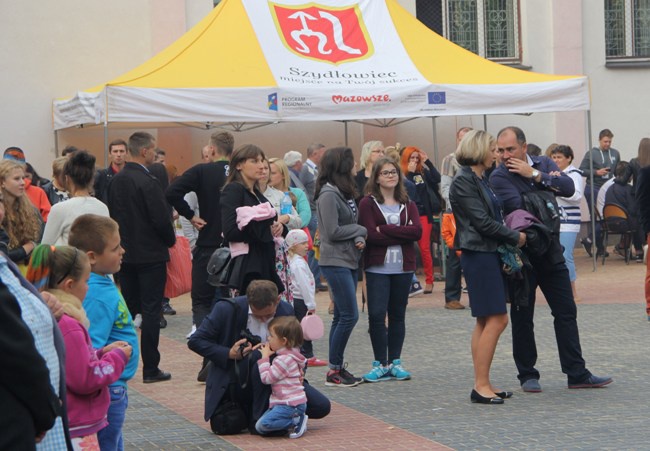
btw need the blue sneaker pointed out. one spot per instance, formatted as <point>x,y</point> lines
<point>397,372</point>
<point>378,373</point>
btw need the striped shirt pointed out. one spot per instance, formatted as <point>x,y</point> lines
<point>570,206</point>
<point>284,377</point>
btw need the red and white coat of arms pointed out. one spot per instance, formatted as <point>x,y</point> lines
<point>333,35</point>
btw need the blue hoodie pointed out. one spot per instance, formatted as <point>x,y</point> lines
<point>110,320</point>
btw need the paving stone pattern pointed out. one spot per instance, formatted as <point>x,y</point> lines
<point>433,411</point>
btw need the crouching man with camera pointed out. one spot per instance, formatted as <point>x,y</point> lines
<point>235,397</point>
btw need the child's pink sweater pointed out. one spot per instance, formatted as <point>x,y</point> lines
<point>284,377</point>
<point>89,372</point>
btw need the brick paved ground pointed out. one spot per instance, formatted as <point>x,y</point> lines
<point>432,411</point>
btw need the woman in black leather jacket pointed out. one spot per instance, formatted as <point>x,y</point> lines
<point>479,231</point>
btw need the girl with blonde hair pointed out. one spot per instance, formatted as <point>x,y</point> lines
<point>22,222</point>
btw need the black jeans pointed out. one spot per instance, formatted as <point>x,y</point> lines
<point>598,240</point>
<point>203,294</point>
<point>452,277</point>
<point>143,287</point>
<point>556,286</point>
<point>388,294</point>
<point>300,309</point>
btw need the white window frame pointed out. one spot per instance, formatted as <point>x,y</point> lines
<point>482,30</point>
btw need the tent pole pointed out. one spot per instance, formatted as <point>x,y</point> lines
<point>591,193</point>
<point>105,144</point>
<point>346,133</point>
<point>440,245</point>
<point>56,143</point>
<point>435,141</point>
<point>485,122</point>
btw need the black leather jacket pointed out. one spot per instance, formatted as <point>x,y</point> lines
<point>476,226</point>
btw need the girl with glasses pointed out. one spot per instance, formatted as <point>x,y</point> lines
<point>393,225</point>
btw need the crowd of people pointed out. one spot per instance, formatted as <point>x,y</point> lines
<point>84,265</point>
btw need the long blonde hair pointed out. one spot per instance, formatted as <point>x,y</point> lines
<point>21,222</point>
<point>284,170</point>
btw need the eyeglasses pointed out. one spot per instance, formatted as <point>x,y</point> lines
<point>392,173</point>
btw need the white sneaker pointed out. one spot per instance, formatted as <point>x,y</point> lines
<point>191,331</point>
<point>137,321</point>
<point>301,428</point>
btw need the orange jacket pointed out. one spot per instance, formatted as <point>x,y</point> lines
<point>448,230</point>
<point>38,197</point>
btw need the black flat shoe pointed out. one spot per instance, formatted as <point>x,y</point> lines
<point>161,376</point>
<point>504,394</point>
<point>475,397</point>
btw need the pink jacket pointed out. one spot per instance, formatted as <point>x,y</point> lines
<point>244,216</point>
<point>89,372</point>
<point>284,377</point>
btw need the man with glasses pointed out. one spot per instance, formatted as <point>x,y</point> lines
<point>224,338</point>
<point>520,173</point>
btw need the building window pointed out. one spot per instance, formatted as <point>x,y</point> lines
<point>489,28</point>
<point>627,28</point>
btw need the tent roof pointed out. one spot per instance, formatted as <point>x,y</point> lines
<point>240,59</point>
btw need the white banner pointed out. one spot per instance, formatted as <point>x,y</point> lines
<point>332,44</point>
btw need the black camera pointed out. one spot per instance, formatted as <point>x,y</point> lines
<point>254,340</point>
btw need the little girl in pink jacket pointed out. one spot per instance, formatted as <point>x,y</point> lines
<point>64,272</point>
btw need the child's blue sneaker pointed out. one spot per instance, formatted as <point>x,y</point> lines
<point>300,428</point>
<point>378,373</point>
<point>397,372</point>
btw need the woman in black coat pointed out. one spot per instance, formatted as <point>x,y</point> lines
<point>479,231</point>
<point>247,167</point>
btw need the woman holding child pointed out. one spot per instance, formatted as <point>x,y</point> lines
<point>480,230</point>
<point>393,225</point>
<point>249,231</point>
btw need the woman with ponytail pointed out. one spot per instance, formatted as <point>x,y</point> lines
<point>78,174</point>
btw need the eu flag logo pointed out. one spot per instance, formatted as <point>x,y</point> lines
<point>272,102</point>
<point>437,98</point>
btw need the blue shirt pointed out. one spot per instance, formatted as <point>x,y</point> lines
<point>110,320</point>
<point>509,186</point>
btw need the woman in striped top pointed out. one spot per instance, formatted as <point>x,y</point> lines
<point>569,208</point>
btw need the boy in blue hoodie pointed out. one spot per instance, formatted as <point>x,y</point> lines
<point>110,320</point>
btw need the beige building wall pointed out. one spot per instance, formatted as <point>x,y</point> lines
<point>61,47</point>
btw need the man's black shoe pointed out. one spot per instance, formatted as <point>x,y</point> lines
<point>593,382</point>
<point>163,322</point>
<point>586,242</point>
<point>203,374</point>
<point>161,376</point>
<point>602,253</point>
<point>167,308</point>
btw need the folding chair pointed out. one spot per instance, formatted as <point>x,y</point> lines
<point>615,222</point>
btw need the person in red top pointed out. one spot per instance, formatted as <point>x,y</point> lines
<point>38,197</point>
<point>117,152</point>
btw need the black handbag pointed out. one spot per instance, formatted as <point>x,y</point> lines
<point>229,418</point>
<point>218,266</point>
